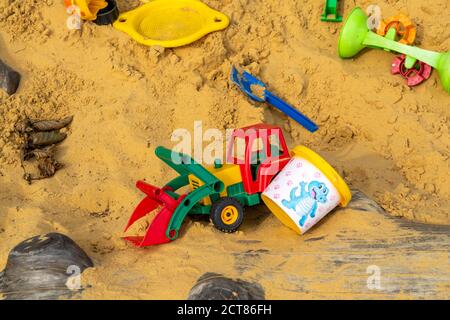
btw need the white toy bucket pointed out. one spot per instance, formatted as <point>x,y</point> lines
<point>305,191</point>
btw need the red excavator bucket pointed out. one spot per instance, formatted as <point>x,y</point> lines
<point>156,232</point>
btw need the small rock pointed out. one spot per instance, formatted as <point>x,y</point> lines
<point>174,59</point>
<point>9,79</point>
<point>157,50</point>
<point>213,286</point>
<point>393,119</point>
<point>41,268</point>
<point>402,190</point>
<point>430,187</point>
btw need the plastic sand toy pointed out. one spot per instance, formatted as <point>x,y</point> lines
<point>74,21</point>
<point>330,11</point>
<point>415,75</point>
<point>255,155</point>
<point>88,8</point>
<point>256,90</point>
<point>402,29</point>
<point>355,36</point>
<point>108,14</point>
<point>171,23</point>
<point>306,190</point>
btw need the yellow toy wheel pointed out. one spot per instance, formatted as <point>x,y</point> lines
<point>227,214</point>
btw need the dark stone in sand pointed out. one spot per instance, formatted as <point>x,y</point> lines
<point>213,286</point>
<point>38,268</point>
<point>9,78</point>
<point>361,202</point>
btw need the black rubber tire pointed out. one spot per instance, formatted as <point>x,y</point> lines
<point>216,213</point>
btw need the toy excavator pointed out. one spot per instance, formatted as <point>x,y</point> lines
<point>255,154</point>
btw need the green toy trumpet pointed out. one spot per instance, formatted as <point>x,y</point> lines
<point>355,36</point>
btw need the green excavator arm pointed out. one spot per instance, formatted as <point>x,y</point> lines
<point>184,165</point>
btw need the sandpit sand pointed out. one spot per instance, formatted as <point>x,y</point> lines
<point>388,140</point>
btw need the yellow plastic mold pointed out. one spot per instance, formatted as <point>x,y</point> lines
<point>88,8</point>
<point>171,23</point>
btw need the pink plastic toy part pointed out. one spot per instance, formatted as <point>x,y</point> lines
<point>416,75</point>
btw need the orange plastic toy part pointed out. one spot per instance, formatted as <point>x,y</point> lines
<point>405,29</point>
<point>88,8</point>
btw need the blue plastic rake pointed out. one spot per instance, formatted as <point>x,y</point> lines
<point>246,82</point>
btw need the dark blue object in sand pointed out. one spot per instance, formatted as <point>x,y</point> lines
<point>245,81</point>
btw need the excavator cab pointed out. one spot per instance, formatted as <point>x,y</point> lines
<point>261,152</point>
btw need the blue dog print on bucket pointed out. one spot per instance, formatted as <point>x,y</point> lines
<point>307,202</point>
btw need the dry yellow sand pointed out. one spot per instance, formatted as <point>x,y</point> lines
<point>386,139</point>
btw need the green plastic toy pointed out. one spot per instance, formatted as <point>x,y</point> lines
<point>330,12</point>
<point>355,36</point>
